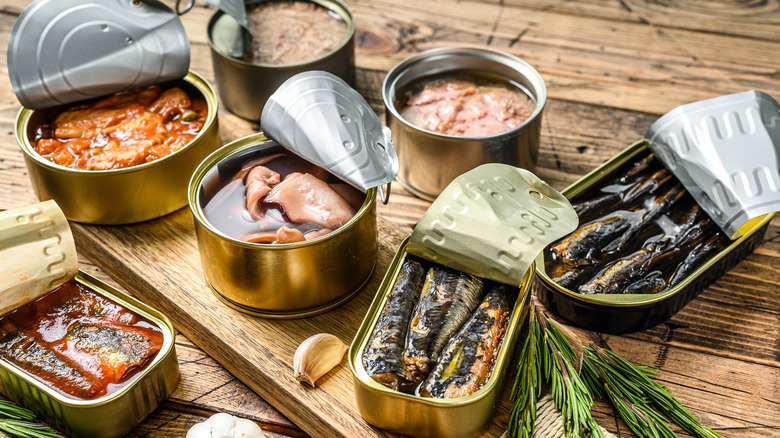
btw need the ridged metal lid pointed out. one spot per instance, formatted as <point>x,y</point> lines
<point>726,152</point>
<point>38,253</point>
<point>317,116</point>
<point>64,51</point>
<point>492,222</point>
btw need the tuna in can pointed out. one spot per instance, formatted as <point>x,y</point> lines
<point>432,151</point>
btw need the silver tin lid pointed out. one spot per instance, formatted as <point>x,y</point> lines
<point>726,152</point>
<point>64,51</point>
<point>234,8</point>
<point>317,116</point>
<point>492,222</point>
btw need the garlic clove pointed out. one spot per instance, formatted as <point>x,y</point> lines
<point>225,426</point>
<point>316,356</point>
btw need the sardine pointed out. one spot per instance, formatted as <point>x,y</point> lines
<point>383,356</point>
<point>698,257</point>
<point>448,299</point>
<point>109,351</point>
<point>652,284</point>
<point>25,351</point>
<point>468,358</point>
<point>582,246</point>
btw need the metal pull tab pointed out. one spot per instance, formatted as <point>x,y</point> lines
<point>384,194</point>
<point>180,11</point>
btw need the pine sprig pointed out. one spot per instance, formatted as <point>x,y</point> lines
<point>15,422</point>
<point>528,385</point>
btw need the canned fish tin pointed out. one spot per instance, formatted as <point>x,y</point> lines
<point>430,417</point>
<point>431,354</point>
<point>429,160</point>
<point>628,312</point>
<point>116,413</point>
<point>277,281</point>
<point>244,86</point>
<point>120,196</point>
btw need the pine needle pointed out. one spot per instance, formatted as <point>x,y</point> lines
<point>15,422</point>
<point>528,383</point>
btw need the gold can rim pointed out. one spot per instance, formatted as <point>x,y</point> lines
<point>336,6</point>
<point>130,303</point>
<point>192,78</point>
<point>237,146</point>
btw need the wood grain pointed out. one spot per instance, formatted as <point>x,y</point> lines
<point>611,67</point>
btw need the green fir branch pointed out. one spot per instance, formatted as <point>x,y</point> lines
<point>16,422</point>
<point>527,386</point>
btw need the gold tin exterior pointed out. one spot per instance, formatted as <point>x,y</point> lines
<point>113,415</point>
<point>120,196</point>
<point>244,87</point>
<point>430,417</point>
<point>283,281</point>
<point>630,313</point>
<point>429,161</point>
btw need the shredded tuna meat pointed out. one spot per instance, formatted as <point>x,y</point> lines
<point>464,108</point>
<point>292,32</point>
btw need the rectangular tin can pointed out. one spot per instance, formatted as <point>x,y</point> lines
<point>630,313</point>
<point>114,414</point>
<point>430,417</point>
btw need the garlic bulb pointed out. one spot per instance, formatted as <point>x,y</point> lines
<point>225,426</point>
<point>316,356</point>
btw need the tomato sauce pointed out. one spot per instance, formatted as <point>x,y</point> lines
<point>125,129</point>
<point>79,342</point>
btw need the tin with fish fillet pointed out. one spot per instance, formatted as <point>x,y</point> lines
<point>120,195</point>
<point>286,220</point>
<point>431,355</point>
<point>669,263</point>
<point>493,102</point>
<point>91,360</point>
<point>245,81</point>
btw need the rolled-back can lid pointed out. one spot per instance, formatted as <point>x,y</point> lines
<point>38,253</point>
<point>726,152</point>
<point>64,51</point>
<point>492,222</point>
<point>234,8</point>
<point>318,116</point>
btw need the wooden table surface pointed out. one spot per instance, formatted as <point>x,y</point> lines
<point>612,67</point>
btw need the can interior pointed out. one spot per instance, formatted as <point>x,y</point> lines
<point>231,39</point>
<point>37,118</point>
<point>488,65</point>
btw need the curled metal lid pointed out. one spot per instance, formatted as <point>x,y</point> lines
<point>64,51</point>
<point>492,222</point>
<point>726,152</point>
<point>318,116</point>
<point>38,253</point>
<point>234,8</point>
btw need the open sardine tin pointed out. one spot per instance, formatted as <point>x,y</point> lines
<point>489,222</point>
<point>37,237</point>
<point>626,313</point>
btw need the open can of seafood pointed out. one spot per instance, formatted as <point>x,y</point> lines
<point>657,263</point>
<point>284,38</point>
<point>432,353</point>
<point>90,359</point>
<point>451,109</point>
<point>103,128</point>
<point>286,227</point>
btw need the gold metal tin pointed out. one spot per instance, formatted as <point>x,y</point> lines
<point>244,87</point>
<point>430,417</point>
<point>619,313</point>
<point>120,196</point>
<point>112,415</point>
<point>429,160</point>
<point>282,281</point>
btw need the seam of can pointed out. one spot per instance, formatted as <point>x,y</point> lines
<point>586,181</point>
<point>242,144</point>
<point>130,303</point>
<point>389,84</point>
<point>331,5</point>
<point>192,78</point>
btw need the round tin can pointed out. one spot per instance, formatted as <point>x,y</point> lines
<point>244,87</point>
<point>279,281</point>
<point>430,160</point>
<point>120,196</point>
